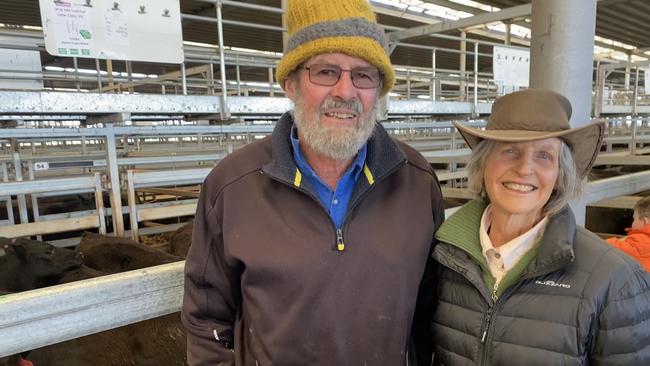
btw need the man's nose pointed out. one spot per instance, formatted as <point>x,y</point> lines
<point>344,88</point>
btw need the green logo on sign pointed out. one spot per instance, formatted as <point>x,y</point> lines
<point>85,51</point>
<point>63,51</point>
<point>85,34</point>
<point>74,51</point>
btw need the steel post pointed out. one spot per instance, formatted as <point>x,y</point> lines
<point>222,66</point>
<point>562,56</point>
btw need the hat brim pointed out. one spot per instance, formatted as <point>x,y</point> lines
<point>584,141</point>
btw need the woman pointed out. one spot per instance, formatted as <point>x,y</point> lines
<point>519,282</point>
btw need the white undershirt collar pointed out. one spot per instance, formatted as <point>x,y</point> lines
<point>502,259</point>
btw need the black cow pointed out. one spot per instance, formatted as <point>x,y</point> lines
<point>113,255</point>
<point>158,341</point>
<point>29,264</point>
<point>181,239</point>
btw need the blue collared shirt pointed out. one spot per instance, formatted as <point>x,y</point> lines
<point>335,202</point>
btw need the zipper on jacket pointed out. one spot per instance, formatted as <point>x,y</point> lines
<point>494,293</point>
<point>488,314</point>
<point>486,321</point>
<point>340,245</point>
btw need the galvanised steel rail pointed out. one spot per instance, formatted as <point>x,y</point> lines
<point>37,318</point>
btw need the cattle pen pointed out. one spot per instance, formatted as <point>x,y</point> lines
<point>37,318</point>
<point>119,142</point>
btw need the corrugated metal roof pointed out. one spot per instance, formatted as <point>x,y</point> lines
<point>626,21</point>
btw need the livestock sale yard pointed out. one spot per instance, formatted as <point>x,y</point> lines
<point>113,114</point>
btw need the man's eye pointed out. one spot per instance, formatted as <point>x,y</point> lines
<point>363,75</point>
<point>327,72</point>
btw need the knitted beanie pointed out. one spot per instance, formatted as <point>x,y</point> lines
<point>334,26</point>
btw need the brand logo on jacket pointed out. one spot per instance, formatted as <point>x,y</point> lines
<point>552,284</point>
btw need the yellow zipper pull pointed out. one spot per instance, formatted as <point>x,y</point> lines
<point>340,245</point>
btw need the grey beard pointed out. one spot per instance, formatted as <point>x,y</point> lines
<point>336,144</point>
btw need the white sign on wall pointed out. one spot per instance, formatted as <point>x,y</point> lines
<point>138,30</point>
<point>511,66</point>
<point>647,81</point>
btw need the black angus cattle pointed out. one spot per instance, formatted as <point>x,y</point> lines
<point>158,341</point>
<point>29,264</point>
<point>180,240</point>
<point>114,255</point>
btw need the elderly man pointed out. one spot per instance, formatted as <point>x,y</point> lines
<point>310,245</point>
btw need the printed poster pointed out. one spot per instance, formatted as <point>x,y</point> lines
<point>511,66</point>
<point>72,25</point>
<point>114,29</point>
<point>116,26</point>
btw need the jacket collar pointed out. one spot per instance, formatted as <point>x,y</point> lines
<point>555,248</point>
<point>383,156</point>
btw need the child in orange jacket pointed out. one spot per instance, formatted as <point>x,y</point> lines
<point>637,241</point>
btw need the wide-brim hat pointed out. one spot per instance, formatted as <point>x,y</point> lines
<point>536,115</point>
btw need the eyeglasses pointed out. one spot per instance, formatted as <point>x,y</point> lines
<point>329,75</point>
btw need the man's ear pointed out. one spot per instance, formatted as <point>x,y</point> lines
<point>646,220</point>
<point>290,86</point>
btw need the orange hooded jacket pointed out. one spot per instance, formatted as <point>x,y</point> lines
<point>636,244</point>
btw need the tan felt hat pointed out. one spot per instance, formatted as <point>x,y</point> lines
<point>531,115</point>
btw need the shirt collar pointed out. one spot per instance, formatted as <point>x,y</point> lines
<point>513,250</point>
<point>305,168</point>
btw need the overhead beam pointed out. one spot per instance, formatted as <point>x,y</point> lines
<point>455,6</point>
<point>485,18</point>
<point>476,11</point>
<point>613,2</point>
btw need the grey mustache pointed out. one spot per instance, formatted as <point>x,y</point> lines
<point>353,105</point>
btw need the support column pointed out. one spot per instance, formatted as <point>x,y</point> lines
<point>433,75</point>
<point>224,112</point>
<point>99,75</point>
<point>562,51</point>
<point>285,36</point>
<point>111,162</point>
<point>627,73</point>
<point>463,63</point>
<point>562,56</point>
<point>109,71</point>
<point>183,78</point>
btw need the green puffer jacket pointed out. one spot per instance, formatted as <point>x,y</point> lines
<point>572,300</point>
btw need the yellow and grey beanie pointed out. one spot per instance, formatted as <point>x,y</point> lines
<point>331,26</point>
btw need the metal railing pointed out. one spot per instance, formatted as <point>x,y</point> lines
<point>37,318</point>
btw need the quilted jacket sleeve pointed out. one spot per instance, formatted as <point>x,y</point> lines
<point>210,301</point>
<point>425,306</point>
<point>622,336</point>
